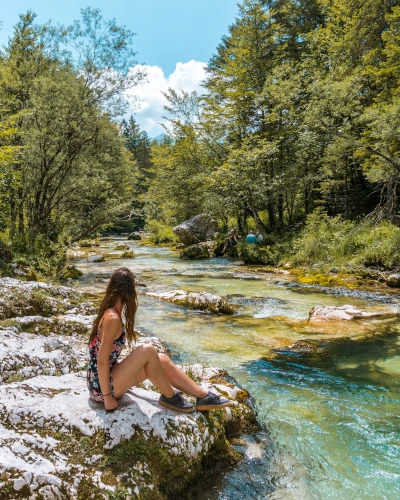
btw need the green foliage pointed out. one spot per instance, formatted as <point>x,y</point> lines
<point>321,238</point>
<point>256,254</point>
<point>160,233</point>
<point>330,241</point>
<point>5,252</point>
<point>301,110</point>
<point>65,172</point>
<point>378,246</point>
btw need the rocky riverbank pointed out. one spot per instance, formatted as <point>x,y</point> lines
<point>56,443</point>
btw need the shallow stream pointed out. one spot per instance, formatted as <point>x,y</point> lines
<point>330,423</point>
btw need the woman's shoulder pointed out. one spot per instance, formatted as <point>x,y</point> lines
<point>111,321</point>
<point>111,316</point>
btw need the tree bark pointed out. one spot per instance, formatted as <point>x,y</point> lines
<point>271,215</point>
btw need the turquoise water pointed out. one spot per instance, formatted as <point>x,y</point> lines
<point>329,423</point>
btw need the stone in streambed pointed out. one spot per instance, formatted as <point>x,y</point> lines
<point>72,273</point>
<point>136,236</point>
<point>195,252</point>
<point>202,227</point>
<point>393,281</point>
<point>96,258</point>
<point>202,301</point>
<point>122,246</point>
<point>347,312</point>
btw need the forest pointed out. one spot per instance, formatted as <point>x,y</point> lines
<point>296,134</point>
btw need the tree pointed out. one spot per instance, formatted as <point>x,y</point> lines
<point>73,160</point>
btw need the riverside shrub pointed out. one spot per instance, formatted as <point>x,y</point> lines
<point>329,240</point>
<point>160,233</point>
<point>255,254</point>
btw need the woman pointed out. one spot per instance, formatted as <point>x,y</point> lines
<point>108,380</point>
<point>230,242</point>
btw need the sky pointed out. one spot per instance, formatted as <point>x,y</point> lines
<point>175,39</point>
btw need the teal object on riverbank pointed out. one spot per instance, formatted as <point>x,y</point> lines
<point>251,238</point>
<point>329,422</point>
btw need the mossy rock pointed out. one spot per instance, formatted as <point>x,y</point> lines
<point>122,246</point>
<point>128,255</point>
<point>326,280</point>
<point>71,273</point>
<point>141,450</point>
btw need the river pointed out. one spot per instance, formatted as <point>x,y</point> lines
<point>329,423</point>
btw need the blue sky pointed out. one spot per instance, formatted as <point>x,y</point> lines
<point>174,39</point>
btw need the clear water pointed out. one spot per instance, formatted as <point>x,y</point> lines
<point>330,424</point>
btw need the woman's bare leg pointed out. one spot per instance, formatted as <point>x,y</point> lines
<point>126,373</point>
<point>178,379</point>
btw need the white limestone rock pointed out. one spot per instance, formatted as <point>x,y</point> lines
<point>26,355</point>
<point>202,301</point>
<point>21,298</point>
<point>65,324</point>
<point>54,439</point>
<point>347,312</point>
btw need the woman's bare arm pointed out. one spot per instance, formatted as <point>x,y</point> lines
<point>110,331</point>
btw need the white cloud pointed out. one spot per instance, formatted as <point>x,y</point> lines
<point>149,109</point>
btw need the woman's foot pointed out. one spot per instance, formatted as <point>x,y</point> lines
<point>177,403</point>
<point>211,402</point>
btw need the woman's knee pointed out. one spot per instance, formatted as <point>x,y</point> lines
<point>147,350</point>
<point>165,360</point>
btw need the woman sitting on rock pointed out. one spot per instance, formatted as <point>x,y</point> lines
<point>108,380</point>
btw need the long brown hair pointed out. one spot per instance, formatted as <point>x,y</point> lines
<point>120,287</point>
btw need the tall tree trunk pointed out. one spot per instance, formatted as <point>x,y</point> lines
<point>271,215</point>
<point>21,222</point>
<point>280,208</point>
<point>260,225</point>
<point>391,199</point>
<point>306,202</point>
<point>13,217</point>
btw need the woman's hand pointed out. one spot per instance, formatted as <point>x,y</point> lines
<point>110,402</point>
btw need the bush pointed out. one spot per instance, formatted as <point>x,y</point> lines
<point>378,246</point>
<point>255,254</point>
<point>321,240</point>
<point>331,241</point>
<point>5,252</point>
<point>160,233</point>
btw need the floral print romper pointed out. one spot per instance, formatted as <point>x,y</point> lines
<point>93,382</point>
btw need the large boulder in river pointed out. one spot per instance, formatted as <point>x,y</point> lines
<point>347,312</point>
<point>201,301</point>
<point>55,443</point>
<point>195,252</point>
<point>393,281</point>
<point>202,227</point>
